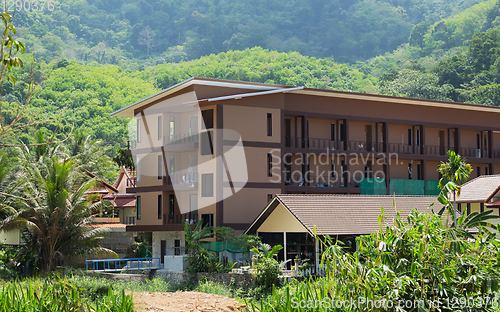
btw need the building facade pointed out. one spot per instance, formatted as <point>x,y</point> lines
<point>219,151</point>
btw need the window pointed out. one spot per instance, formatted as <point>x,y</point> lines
<point>417,139</point>
<point>206,143</point>
<point>171,206</point>
<point>418,172</point>
<point>333,168</point>
<point>207,185</point>
<point>177,247</point>
<point>468,208</point>
<point>208,118</point>
<point>269,197</point>
<point>459,207</point>
<point>342,132</point>
<point>409,136</point>
<point>138,169</point>
<point>193,128</point>
<point>486,170</point>
<point>172,128</point>
<point>269,164</point>
<point>160,167</point>
<point>193,202</point>
<point>332,131</point>
<point>269,124</point>
<point>160,128</point>
<point>171,169</point>
<point>159,207</point>
<point>410,174</point>
<point>482,208</point>
<point>478,171</point>
<point>138,207</point>
<point>478,142</point>
<point>138,131</point>
<point>208,219</point>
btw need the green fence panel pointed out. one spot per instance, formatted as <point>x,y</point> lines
<point>370,186</point>
<point>414,187</point>
<point>220,246</point>
<point>379,187</point>
<point>397,187</point>
<point>431,187</point>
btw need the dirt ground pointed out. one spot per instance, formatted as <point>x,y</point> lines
<point>184,301</point>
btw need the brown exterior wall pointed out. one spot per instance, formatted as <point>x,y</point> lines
<point>251,123</point>
<point>380,111</point>
<point>246,205</point>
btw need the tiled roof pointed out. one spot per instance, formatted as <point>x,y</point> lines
<point>348,214</point>
<point>123,202</point>
<point>110,225</point>
<point>479,189</point>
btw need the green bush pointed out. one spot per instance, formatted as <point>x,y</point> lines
<point>267,272</point>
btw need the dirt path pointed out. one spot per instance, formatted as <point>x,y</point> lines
<point>184,301</point>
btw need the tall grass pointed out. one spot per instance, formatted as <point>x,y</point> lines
<point>33,295</point>
<point>97,287</point>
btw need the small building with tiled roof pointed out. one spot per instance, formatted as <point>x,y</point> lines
<point>481,194</point>
<point>291,219</point>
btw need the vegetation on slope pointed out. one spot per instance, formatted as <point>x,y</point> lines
<point>122,32</point>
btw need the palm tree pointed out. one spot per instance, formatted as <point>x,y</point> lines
<point>9,188</point>
<point>194,236</point>
<point>266,251</point>
<point>90,154</point>
<point>453,174</point>
<point>54,214</point>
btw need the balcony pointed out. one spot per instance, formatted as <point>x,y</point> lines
<point>313,143</point>
<point>183,138</point>
<point>474,152</point>
<point>190,179</point>
<point>190,218</point>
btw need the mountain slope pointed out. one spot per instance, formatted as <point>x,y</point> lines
<point>126,32</point>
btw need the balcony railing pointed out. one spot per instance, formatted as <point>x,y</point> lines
<point>401,148</point>
<point>130,220</point>
<point>436,150</point>
<point>183,138</point>
<point>190,218</point>
<point>474,152</point>
<point>186,178</point>
<point>322,144</point>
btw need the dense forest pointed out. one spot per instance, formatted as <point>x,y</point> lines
<point>127,33</point>
<point>90,59</point>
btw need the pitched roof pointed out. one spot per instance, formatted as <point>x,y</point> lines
<point>345,214</point>
<point>128,111</point>
<point>480,189</point>
<point>104,183</point>
<point>125,201</point>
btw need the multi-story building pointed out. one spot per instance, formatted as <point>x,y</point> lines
<point>220,150</point>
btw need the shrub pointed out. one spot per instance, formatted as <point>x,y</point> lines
<point>267,272</point>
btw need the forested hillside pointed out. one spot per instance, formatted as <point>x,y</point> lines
<point>91,60</point>
<point>86,94</point>
<point>127,32</point>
